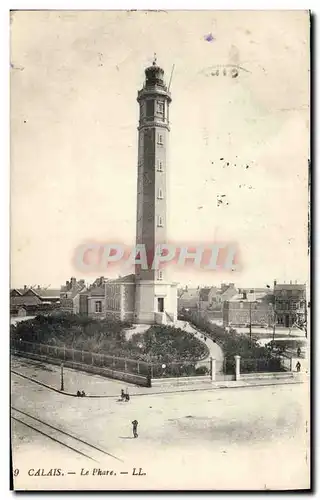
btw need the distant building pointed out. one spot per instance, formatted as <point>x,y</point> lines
<point>290,304</point>
<point>96,299</point>
<point>70,295</point>
<point>208,297</point>
<point>249,307</point>
<point>33,300</point>
<point>188,298</point>
<point>227,291</point>
<point>205,298</point>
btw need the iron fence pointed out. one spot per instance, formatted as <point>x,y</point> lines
<point>176,369</point>
<point>254,365</point>
<point>127,365</point>
<point>85,357</point>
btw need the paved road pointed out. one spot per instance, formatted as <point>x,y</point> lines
<point>235,438</point>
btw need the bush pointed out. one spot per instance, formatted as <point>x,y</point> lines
<point>158,345</point>
<point>234,344</point>
<point>202,370</point>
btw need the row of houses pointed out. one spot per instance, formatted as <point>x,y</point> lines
<point>97,299</point>
<point>284,305</point>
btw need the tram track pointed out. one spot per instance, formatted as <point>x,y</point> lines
<point>61,436</point>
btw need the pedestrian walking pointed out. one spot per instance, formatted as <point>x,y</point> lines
<point>135,428</point>
<point>298,366</point>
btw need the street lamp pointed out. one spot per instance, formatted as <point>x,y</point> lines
<point>62,381</point>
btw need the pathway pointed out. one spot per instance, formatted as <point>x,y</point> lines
<point>139,328</point>
<point>215,350</point>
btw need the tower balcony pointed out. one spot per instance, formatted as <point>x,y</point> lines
<point>154,91</point>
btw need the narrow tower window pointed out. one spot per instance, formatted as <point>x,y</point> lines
<point>160,194</point>
<point>160,107</point>
<point>160,275</point>
<point>160,139</point>
<point>159,166</point>
<point>149,109</point>
<point>160,221</point>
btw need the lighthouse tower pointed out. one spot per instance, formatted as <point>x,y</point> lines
<point>155,297</point>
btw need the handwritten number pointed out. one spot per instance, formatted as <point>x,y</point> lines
<point>16,472</point>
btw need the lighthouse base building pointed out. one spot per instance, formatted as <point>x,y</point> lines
<point>149,303</point>
<point>148,296</point>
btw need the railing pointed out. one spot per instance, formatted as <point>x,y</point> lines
<point>180,369</point>
<point>255,365</point>
<point>126,365</point>
<point>115,363</point>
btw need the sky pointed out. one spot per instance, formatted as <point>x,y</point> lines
<point>74,117</point>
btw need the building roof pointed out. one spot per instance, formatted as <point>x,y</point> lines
<point>97,291</point>
<point>39,292</point>
<point>230,289</point>
<point>204,294</point>
<point>130,278</point>
<point>250,297</point>
<point>48,292</point>
<point>290,286</point>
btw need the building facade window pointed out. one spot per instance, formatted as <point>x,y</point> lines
<point>98,306</point>
<point>160,194</point>
<point>160,275</point>
<point>160,139</point>
<point>160,221</point>
<point>159,166</point>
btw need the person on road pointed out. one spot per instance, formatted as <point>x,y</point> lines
<point>122,395</point>
<point>135,428</point>
<point>298,366</point>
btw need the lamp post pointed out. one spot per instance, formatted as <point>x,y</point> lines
<point>62,381</point>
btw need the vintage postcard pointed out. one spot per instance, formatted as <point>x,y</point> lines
<point>160,233</point>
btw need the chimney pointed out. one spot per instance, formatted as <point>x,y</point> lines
<point>25,287</point>
<point>73,282</point>
<point>38,287</point>
<point>275,283</point>
<point>290,282</point>
<point>244,295</point>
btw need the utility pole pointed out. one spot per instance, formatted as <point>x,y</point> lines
<point>274,324</point>
<point>250,327</point>
<point>62,381</point>
<point>274,311</point>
